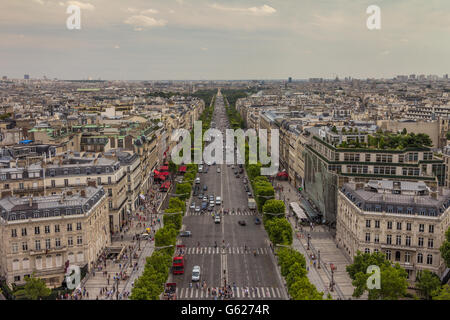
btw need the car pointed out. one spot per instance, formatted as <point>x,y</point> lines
<point>210,209</point>
<point>249,194</point>
<point>205,198</point>
<point>197,181</point>
<point>242,223</point>
<point>145,236</point>
<point>245,180</point>
<point>217,219</point>
<point>200,168</point>
<point>218,201</point>
<point>185,234</point>
<point>192,206</point>
<point>197,209</point>
<point>235,172</point>
<point>257,220</point>
<point>218,169</point>
<point>211,197</point>
<point>204,205</point>
<point>196,273</point>
<point>206,170</point>
<point>200,195</point>
<point>211,204</point>
<point>205,187</point>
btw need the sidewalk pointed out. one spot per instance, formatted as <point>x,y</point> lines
<point>323,241</point>
<point>95,281</point>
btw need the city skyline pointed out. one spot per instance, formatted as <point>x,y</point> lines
<point>219,40</point>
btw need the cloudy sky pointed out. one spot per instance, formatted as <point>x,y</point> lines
<point>223,39</point>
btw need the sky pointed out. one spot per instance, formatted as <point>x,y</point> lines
<point>223,39</point>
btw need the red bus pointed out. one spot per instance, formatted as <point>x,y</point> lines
<point>178,261</point>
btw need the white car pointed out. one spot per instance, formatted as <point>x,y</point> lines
<point>192,206</point>
<point>200,168</point>
<point>217,219</point>
<point>197,209</point>
<point>197,181</point>
<point>218,169</point>
<point>196,273</point>
<point>218,201</point>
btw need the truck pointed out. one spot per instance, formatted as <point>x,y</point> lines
<point>251,203</point>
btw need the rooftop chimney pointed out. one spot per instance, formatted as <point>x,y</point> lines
<point>83,193</point>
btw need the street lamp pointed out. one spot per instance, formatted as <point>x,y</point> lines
<point>318,255</point>
<point>309,238</point>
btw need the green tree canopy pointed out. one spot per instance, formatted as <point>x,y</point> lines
<point>445,249</point>
<point>443,293</point>
<point>428,283</point>
<point>33,289</point>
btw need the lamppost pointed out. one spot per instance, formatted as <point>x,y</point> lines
<point>332,267</point>
<point>309,238</point>
<point>318,255</point>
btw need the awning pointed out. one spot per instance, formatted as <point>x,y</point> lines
<point>182,169</point>
<point>156,172</point>
<point>164,173</point>
<point>164,168</point>
<point>282,174</point>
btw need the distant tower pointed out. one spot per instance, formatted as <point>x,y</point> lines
<point>290,80</point>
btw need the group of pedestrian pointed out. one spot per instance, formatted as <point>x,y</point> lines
<point>221,293</point>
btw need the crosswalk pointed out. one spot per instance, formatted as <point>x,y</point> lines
<point>240,213</point>
<point>230,250</point>
<point>238,293</point>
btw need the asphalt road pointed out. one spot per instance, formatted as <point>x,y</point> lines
<point>233,264</point>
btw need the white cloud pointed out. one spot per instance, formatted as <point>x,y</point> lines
<point>149,11</point>
<point>39,2</point>
<point>82,5</point>
<point>264,10</point>
<point>139,22</point>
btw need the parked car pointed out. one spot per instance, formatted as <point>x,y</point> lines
<point>197,181</point>
<point>192,206</point>
<point>205,199</point>
<point>242,223</point>
<point>205,187</point>
<point>185,234</point>
<point>257,220</point>
<point>197,209</point>
<point>200,195</point>
<point>200,168</point>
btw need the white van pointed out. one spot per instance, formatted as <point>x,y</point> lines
<point>218,201</point>
<point>196,273</point>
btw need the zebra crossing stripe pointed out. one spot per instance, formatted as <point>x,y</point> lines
<point>263,293</point>
<point>257,293</point>
<point>278,291</point>
<point>273,292</point>
<point>192,292</point>
<point>237,292</point>
<point>196,293</point>
<point>181,292</point>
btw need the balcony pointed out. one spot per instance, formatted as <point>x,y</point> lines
<point>47,251</point>
<point>28,190</point>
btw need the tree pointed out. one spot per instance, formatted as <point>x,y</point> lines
<point>183,190</point>
<point>443,293</point>
<point>172,167</point>
<point>177,203</point>
<point>393,279</point>
<point>404,131</point>
<point>334,129</point>
<point>165,236</point>
<point>445,249</point>
<point>279,231</point>
<point>302,289</point>
<point>428,282</point>
<point>33,289</point>
<point>274,206</point>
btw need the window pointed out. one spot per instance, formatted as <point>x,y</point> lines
<point>66,182</point>
<point>398,240</point>
<point>70,241</point>
<point>53,182</point>
<point>377,238</point>
<point>389,239</point>
<point>419,258</point>
<point>14,248</point>
<point>110,192</point>
<point>24,232</point>
<point>407,257</point>
<point>367,223</point>
<point>37,244</point>
<point>57,242</point>
<point>110,204</point>
<point>47,244</point>
<point>21,186</point>
<point>430,243</point>
<point>399,226</point>
<point>24,246</point>
<point>99,180</point>
<point>367,237</point>
<point>408,226</point>
<point>408,241</point>
<point>79,240</point>
<point>367,157</point>
<point>388,254</point>
<point>377,224</point>
<point>37,230</point>
<point>431,228</point>
<point>420,242</point>
<point>421,227</point>
<point>109,180</point>
<point>389,225</point>
<point>47,229</point>
<point>13,233</point>
<point>367,250</point>
<point>78,225</point>
<point>430,259</point>
<point>397,255</point>
<point>69,227</point>
<point>56,228</point>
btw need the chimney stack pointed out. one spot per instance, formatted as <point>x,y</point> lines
<point>31,202</point>
<point>83,193</point>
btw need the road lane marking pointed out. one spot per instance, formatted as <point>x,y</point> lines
<point>273,292</point>
<point>181,292</point>
<point>263,293</point>
<point>192,293</point>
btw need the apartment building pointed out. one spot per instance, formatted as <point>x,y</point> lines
<point>405,220</point>
<point>43,235</point>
